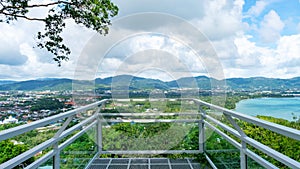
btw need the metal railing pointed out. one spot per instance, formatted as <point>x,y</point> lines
<point>142,118</point>
<point>208,121</point>
<point>52,142</point>
<point>205,121</point>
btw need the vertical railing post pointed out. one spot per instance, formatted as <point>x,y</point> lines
<point>243,156</point>
<point>99,135</point>
<point>56,157</point>
<point>99,129</point>
<point>201,127</point>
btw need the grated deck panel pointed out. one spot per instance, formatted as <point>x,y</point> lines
<point>143,163</point>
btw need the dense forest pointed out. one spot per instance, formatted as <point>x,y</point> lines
<point>47,104</point>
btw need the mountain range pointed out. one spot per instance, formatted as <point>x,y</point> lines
<point>122,82</point>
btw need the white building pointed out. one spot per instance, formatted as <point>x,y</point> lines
<point>10,119</point>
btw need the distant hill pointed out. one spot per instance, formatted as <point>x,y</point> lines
<point>262,83</point>
<point>2,82</point>
<point>42,84</point>
<point>125,82</point>
<point>202,82</point>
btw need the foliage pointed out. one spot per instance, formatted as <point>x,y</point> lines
<point>33,138</point>
<point>292,124</point>
<point>93,14</point>
<point>28,140</point>
<point>7,126</point>
<point>78,154</point>
<point>126,136</point>
<point>276,141</point>
<point>280,143</point>
<point>9,150</point>
<point>47,104</point>
<point>230,102</point>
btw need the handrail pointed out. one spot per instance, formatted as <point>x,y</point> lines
<point>280,129</point>
<point>152,120</point>
<point>150,152</point>
<point>237,132</point>
<point>147,114</point>
<point>50,154</point>
<point>9,133</point>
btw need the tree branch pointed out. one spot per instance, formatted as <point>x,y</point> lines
<point>39,5</point>
<point>1,4</point>
<point>94,14</point>
<point>23,16</point>
<point>49,4</point>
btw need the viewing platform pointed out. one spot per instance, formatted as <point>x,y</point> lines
<point>192,138</point>
<point>144,163</point>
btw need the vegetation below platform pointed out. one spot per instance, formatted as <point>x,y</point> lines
<point>158,136</point>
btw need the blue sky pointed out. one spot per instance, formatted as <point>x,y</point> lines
<point>288,11</point>
<point>250,38</point>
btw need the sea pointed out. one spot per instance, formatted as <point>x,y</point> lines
<point>285,108</point>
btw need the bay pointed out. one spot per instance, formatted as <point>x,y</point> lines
<point>276,107</point>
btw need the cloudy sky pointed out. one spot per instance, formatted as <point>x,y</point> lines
<point>167,39</point>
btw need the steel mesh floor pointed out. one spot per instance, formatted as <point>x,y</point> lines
<point>144,163</point>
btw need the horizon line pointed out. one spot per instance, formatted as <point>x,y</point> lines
<point>54,78</point>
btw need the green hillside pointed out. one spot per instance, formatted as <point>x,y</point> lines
<point>128,82</point>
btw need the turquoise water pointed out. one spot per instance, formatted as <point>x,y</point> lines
<point>275,107</point>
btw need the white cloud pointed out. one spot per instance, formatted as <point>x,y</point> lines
<point>33,68</point>
<point>109,65</point>
<point>10,39</point>
<point>18,48</point>
<point>241,54</point>
<point>270,27</point>
<point>248,59</point>
<point>252,60</point>
<point>298,27</point>
<point>258,8</point>
<point>144,42</point>
<point>17,42</point>
<point>288,50</point>
<point>152,53</point>
<point>222,19</point>
<point>225,48</point>
<point>250,56</point>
